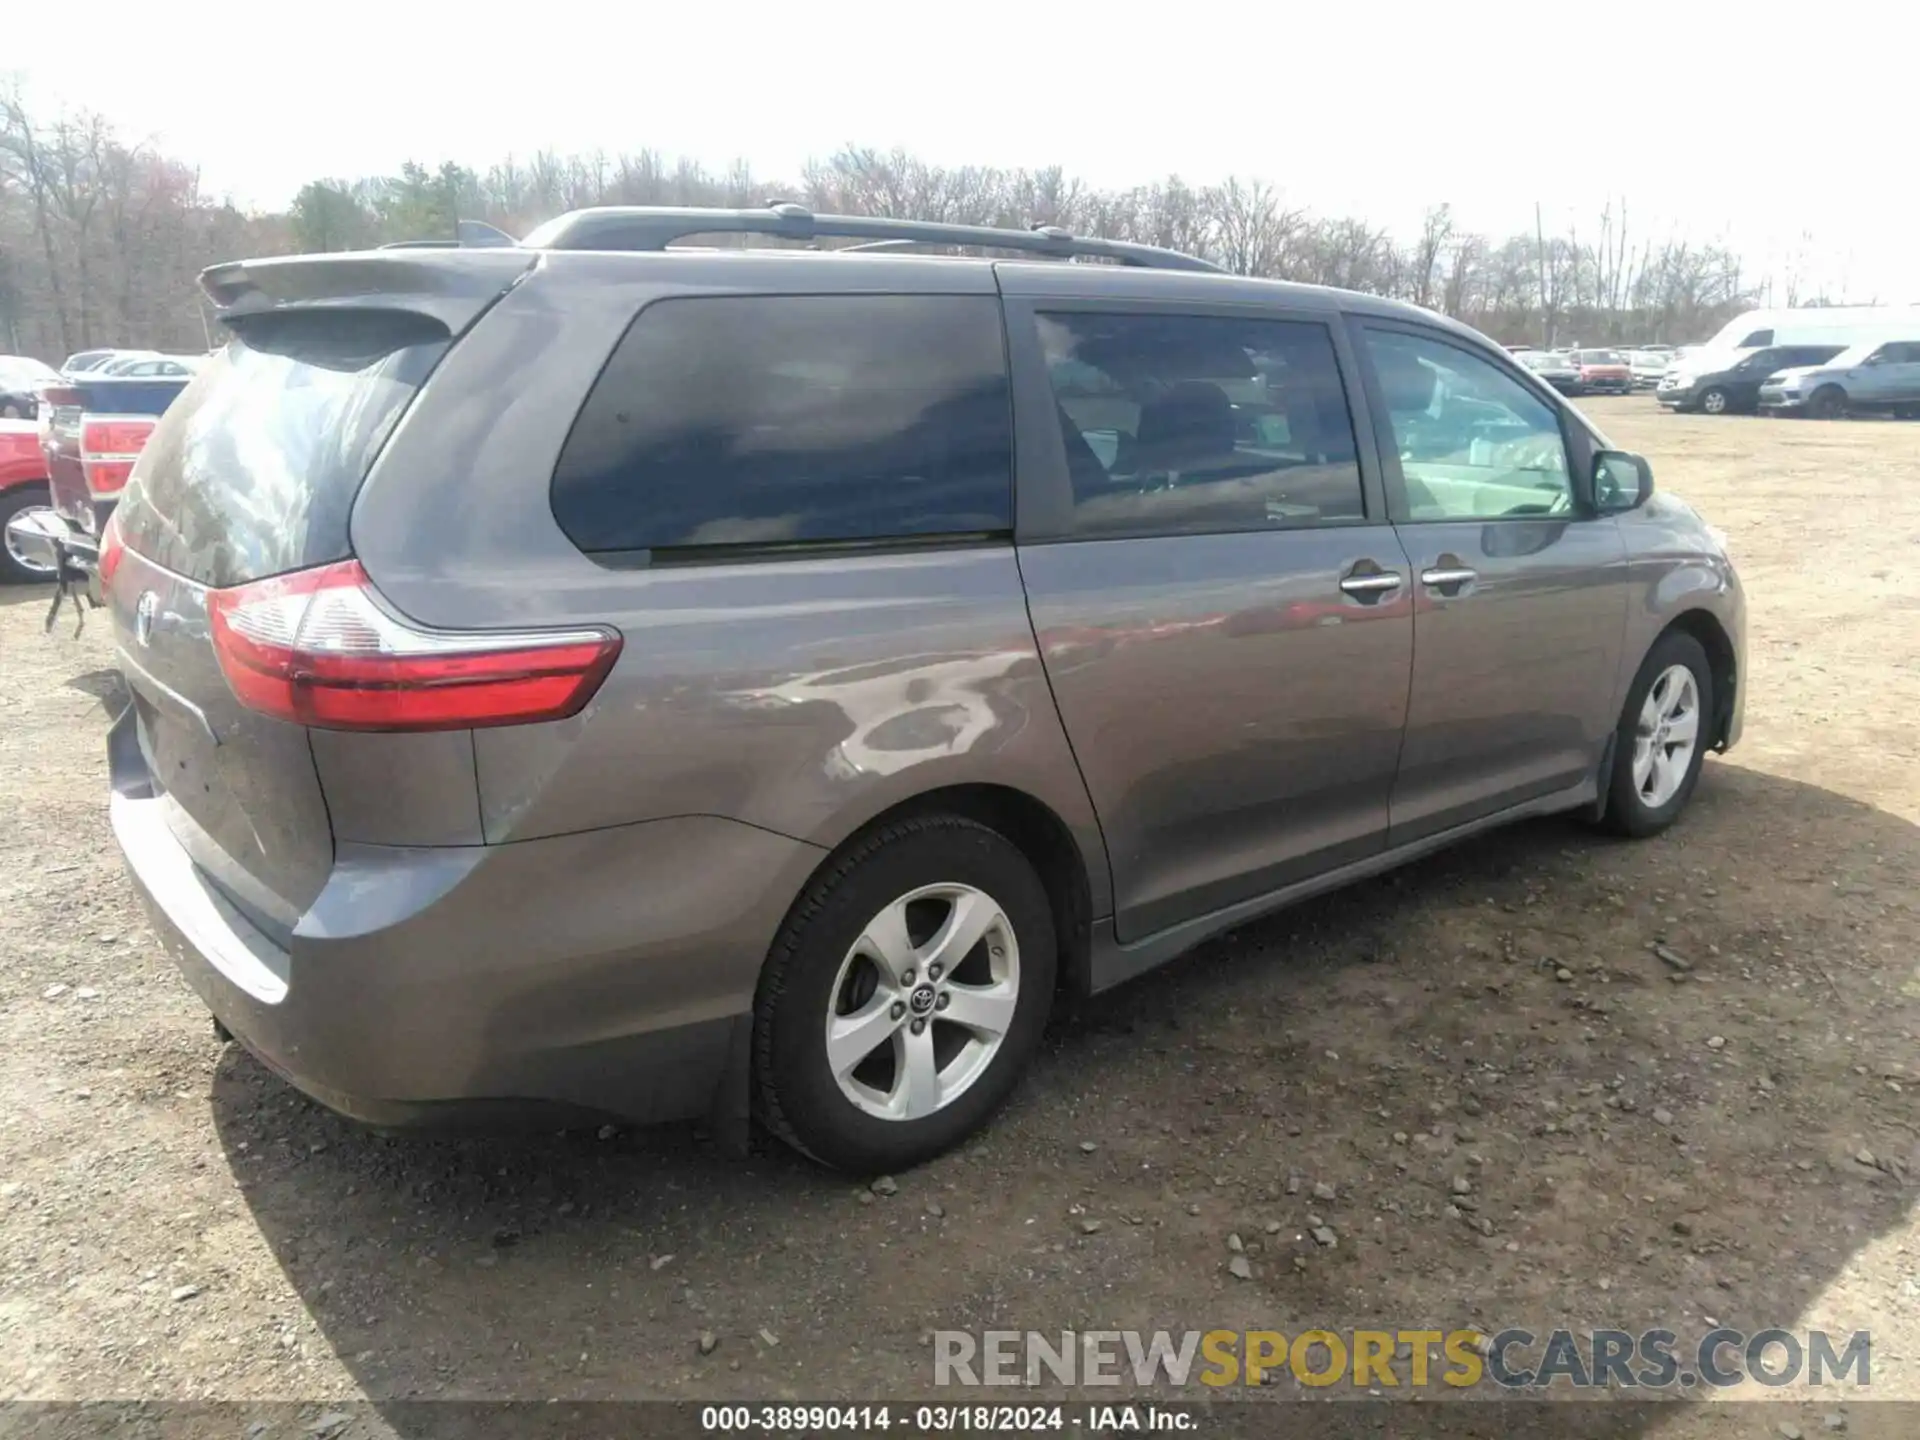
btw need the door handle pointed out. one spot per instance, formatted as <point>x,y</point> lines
<point>1448,575</point>
<point>1369,586</point>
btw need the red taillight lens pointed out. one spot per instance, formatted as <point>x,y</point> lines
<point>106,477</point>
<point>108,447</point>
<point>112,549</point>
<point>319,649</point>
<point>113,438</point>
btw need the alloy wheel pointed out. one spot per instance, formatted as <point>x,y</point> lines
<point>923,1001</point>
<point>1666,735</point>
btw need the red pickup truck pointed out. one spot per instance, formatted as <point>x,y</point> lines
<point>23,492</point>
<point>90,432</point>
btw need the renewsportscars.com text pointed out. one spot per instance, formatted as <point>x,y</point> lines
<point>1388,1360</point>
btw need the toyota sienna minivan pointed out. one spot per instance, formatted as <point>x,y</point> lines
<point>761,681</point>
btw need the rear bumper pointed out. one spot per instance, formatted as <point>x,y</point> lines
<point>609,973</point>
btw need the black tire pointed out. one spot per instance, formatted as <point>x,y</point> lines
<point>12,502</point>
<point>1628,813</point>
<point>1828,403</point>
<point>796,1094</point>
<point>1716,402</point>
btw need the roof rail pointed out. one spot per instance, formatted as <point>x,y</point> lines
<point>644,227</point>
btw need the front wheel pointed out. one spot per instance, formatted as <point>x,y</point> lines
<point>1665,729</point>
<point>904,996</point>
<point>1714,402</point>
<point>1828,404</point>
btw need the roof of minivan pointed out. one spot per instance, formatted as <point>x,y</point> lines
<point>276,281</point>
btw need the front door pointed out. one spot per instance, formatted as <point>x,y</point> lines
<point>1222,606</point>
<point>1889,378</point>
<point>1520,595</point>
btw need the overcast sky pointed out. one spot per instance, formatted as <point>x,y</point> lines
<point>1736,122</point>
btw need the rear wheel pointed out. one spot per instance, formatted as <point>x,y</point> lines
<point>1665,729</point>
<point>16,567</point>
<point>1714,402</point>
<point>904,996</point>
<point>1828,403</point>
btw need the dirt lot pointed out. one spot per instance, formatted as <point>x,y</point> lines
<point>175,1223</point>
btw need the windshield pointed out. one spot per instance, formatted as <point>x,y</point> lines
<point>1853,355</point>
<point>1600,357</point>
<point>254,468</point>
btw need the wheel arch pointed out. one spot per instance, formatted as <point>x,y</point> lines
<point>1705,627</point>
<point>1039,833</point>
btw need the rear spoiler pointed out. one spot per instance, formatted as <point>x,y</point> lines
<point>450,285</point>
<point>471,235</point>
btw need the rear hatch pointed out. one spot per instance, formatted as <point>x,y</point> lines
<point>251,475</point>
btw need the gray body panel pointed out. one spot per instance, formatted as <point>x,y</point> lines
<point>238,788</point>
<point>578,911</point>
<point>1513,675</point>
<point>1237,718</point>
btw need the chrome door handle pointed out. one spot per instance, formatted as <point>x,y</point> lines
<point>1367,586</point>
<point>1438,577</point>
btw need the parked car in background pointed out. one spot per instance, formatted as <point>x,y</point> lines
<point>88,362</point>
<point>911,551</point>
<point>1603,372</point>
<point>172,367</point>
<point>1877,376</point>
<point>21,380</point>
<point>1718,381</point>
<point>1554,368</point>
<point>92,430</point>
<point>1647,367</point>
<point>24,502</point>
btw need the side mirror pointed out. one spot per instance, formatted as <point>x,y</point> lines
<point>1621,481</point>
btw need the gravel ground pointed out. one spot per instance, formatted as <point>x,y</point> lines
<point>1478,1076</point>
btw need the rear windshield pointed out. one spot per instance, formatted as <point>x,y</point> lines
<point>254,469</point>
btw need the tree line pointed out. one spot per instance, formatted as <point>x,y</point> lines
<point>101,237</point>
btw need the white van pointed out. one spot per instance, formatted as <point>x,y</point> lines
<point>1815,325</point>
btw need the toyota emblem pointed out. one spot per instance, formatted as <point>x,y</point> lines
<point>143,617</point>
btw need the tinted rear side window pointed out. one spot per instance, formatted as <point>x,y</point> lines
<point>739,423</point>
<point>1190,424</point>
<point>253,470</point>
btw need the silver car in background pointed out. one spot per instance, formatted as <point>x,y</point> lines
<point>1879,375</point>
<point>1648,367</point>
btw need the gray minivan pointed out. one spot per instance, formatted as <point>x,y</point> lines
<point>666,682</point>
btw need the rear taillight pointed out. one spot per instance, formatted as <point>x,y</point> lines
<point>112,549</point>
<point>109,444</point>
<point>318,648</point>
